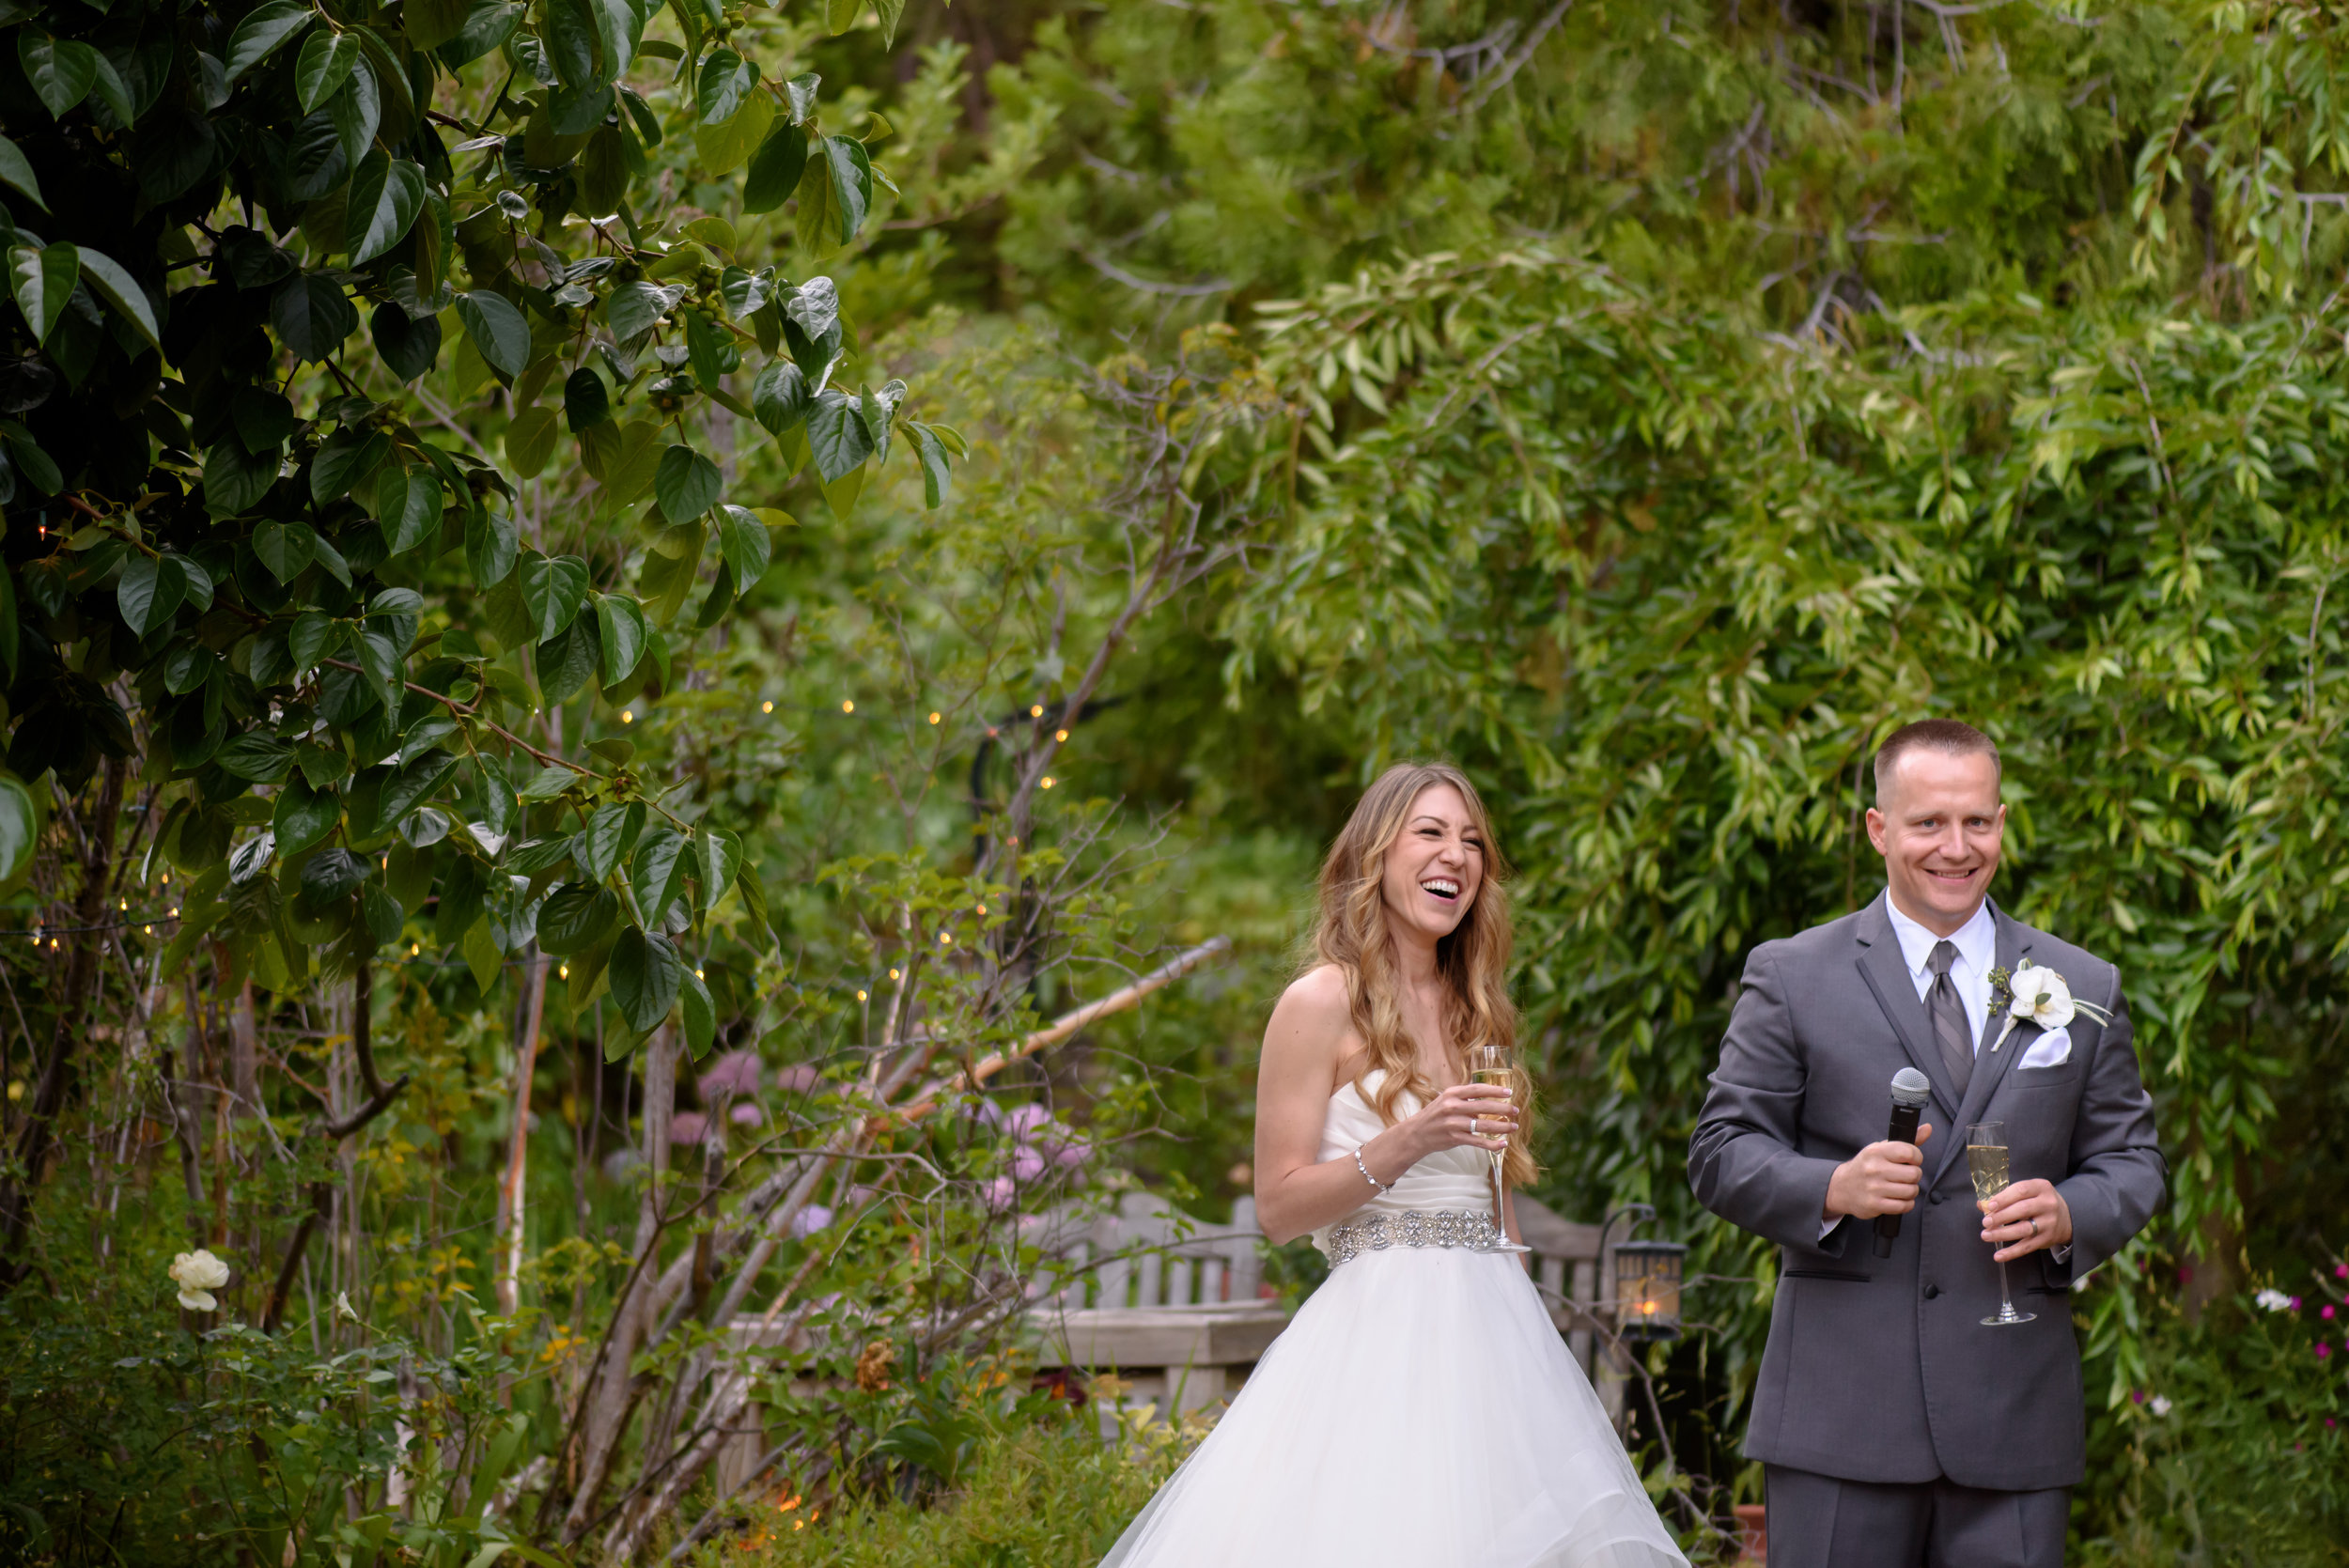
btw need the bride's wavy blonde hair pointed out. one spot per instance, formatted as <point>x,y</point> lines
<point>1351,933</point>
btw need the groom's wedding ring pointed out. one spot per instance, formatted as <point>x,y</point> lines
<point>2033,1224</point>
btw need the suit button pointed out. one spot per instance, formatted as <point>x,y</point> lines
<point>1931,1291</point>
<point>1934,1198</point>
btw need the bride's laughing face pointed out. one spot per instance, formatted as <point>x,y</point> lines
<point>1436,865</point>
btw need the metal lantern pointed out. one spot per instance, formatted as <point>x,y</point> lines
<point>1647,1289</point>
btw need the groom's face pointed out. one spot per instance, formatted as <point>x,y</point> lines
<point>1939,825</point>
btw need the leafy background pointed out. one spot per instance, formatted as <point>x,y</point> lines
<point>678,578</point>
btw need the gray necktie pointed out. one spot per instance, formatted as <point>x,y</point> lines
<point>1951,1029</point>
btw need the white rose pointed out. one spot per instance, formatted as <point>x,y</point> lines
<point>2273,1302</point>
<point>2159,1404</point>
<point>199,1274</point>
<point>2041,995</point>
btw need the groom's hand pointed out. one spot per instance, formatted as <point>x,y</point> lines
<point>2024,1218</point>
<point>1880,1179</point>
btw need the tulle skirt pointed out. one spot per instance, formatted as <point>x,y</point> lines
<point>1420,1412</point>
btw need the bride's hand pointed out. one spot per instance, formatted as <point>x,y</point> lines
<point>1466,1116</point>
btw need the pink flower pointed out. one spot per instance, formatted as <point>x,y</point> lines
<point>796,1080</point>
<point>2327,1313</point>
<point>1073,1153</point>
<point>688,1127</point>
<point>2137,1396</point>
<point>810,1219</point>
<point>999,1193</point>
<point>1026,1120</point>
<point>1026,1166</point>
<point>2340,1271</point>
<point>2295,1303</point>
<point>736,1072</point>
<point>2323,1350</point>
<point>746,1114</point>
<point>2328,1421</point>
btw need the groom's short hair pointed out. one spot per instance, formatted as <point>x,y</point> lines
<point>1932,735</point>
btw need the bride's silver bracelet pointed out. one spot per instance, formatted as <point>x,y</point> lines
<point>1384,1187</point>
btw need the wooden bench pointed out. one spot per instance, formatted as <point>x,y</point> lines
<point>1170,1304</point>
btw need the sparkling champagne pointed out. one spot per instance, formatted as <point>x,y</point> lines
<point>1492,1065</point>
<point>1988,1161</point>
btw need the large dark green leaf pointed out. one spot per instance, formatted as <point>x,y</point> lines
<point>150,591</point>
<point>412,787</point>
<point>409,345</point>
<point>386,193</point>
<point>687,483</point>
<point>62,70</point>
<point>554,588</point>
<point>257,756</point>
<point>42,281</point>
<point>325,64</point>
<point>775,169</point>
<point>743,541</point>
<point>234,480</point>
<point>575,916</point>
<point>304,815</point>
<point>610,834</point>
<point>20,826</point>
<point>727,80</point>
<point>850,173</point>
<point>780,398</point>
<point>312,316</point>
<point>488,25</point>
<point>621,622</point>
<point>260,31</point>
<point>585,404</point>
<point>696,1012</point>
<point>356,112</point>
<point>16,173</point>
<point>463,887</point>
<point>286,548</point>
<point>348,457</point>
<point>657,871</point>
<point>491,546</point>
<point>498,330</point>
<point>569,661</point>
<point>637,308</point>
<point>644,972</point>
<point>836,434</point>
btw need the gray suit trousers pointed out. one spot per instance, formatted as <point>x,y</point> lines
<point>1818,1521</point>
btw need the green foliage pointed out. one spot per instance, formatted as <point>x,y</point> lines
<point>1045,1489</point>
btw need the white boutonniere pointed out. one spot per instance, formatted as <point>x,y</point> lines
<point>2042,996</point>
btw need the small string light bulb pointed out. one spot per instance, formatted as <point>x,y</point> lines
<point>415,950</point>
<point>847,707</point>
<point>562,972</point>
<point>1047,780</point>
<point>1036,712</point>
<point>697,974</point>
<point>860,996</point>
<point>893,974</point>
<point>765,707</point>
<point>933,718</point>
<point>1060,734</point>
<point>628,716</point>
<point>945,938</point>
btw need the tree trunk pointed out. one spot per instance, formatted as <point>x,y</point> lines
<point>512,1190</point>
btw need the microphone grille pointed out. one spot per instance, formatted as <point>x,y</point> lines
<point>1911,1087</point>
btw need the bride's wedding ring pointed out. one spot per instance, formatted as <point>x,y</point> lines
<point>1473,1132</point>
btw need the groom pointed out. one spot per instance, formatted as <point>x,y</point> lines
<point>1894,1429</point>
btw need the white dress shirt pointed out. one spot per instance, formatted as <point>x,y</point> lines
<point>1977,944</point>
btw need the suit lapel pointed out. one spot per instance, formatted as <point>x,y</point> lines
<point>1990,1067</point>
<point>1886,972</point>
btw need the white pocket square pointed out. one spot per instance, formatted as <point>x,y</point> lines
<point>2051,1049</point>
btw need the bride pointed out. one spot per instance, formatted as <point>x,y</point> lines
<point>1420,1412</point>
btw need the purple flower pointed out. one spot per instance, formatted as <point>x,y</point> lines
<point>736,1072</point>
<point>1026,1166</point>
<point>999,1193</point>
<point>2137,1396</point>
<point>810,1219</point>
<point>746,1114</point>
<point>688,1127</point>
<point>1024,1121</point>
<point>2295,1303</point>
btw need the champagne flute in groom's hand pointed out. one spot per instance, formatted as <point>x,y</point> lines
<point>1497,1066</point>
<point>1986,1157</point>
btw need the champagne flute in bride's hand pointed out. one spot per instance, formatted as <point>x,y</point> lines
<point>1497,1066</point>
<point>1986,1157</point>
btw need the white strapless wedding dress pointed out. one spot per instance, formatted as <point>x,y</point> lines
<point>1419,1412</point>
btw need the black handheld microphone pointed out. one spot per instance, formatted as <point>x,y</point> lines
<point>1911,1093</point>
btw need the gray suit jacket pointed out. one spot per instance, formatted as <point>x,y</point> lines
<point>1878,1369</point>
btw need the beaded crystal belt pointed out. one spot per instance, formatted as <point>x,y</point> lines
<point>1378,1230</point>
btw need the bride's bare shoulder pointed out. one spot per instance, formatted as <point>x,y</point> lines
<point>1315,997</point>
